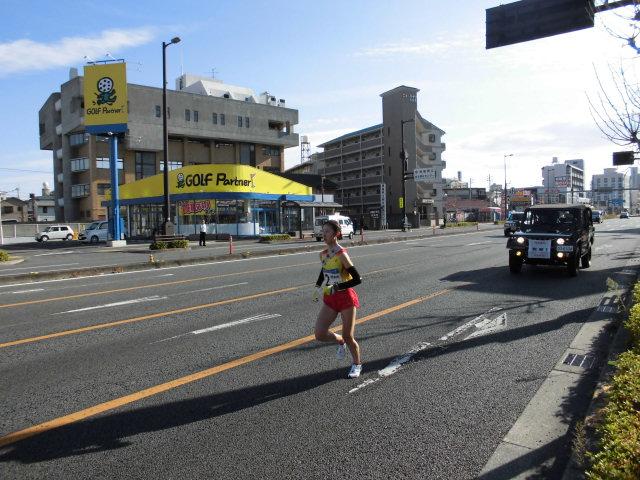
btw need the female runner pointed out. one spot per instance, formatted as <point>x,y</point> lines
<point>339,277</point>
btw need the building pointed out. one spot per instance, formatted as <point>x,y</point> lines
<point>611,190</point>
<point>209,122</point>
<point>367,167</point>
<point>563,182</point>
<point>14,210</point>
<point>42,208</point>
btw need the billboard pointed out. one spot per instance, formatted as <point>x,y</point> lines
<point>562,182</point>
<point>526,20</point>
<point>105,98</point>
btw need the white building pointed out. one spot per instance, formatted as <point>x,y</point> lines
<point>611,190</point>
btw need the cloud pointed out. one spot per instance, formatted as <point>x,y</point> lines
<point>438,46</point>
<point>27,55</point>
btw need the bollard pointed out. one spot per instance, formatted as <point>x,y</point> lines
<point>478,226</point>
<point>230,244</point>
<point>434,229</point>
<point>361,236</point>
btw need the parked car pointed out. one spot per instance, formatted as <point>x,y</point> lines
<point>596,216</point>
<point>553,235</point>
<point>95,232</point>
<point>55,232</point>
<point>345,223</point>
<point>513,222</point>
<point>624,215</point>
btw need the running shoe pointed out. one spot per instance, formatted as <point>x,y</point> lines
<point>342,351</point>
<point>355,371</point>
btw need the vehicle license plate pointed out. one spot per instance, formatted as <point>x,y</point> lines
<point>564,248</point>
<point>539,248</point>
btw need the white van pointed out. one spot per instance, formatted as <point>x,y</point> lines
<point>345,223</point>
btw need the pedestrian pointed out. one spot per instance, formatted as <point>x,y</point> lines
<point>203,234</point>
<point>339,276</point>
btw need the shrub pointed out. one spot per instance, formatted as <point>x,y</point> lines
<point>178,244</point>
<point>276,237</point>
<point>633,325</point>
<point>158,246</point>
<point>4,256</point>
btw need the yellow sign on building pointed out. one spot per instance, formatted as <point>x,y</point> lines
<point>105,98</point>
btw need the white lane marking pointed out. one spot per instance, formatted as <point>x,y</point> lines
<point>364,384</point>
<point>478,243</point>
<point>208,289</point>
<point>116,304</point>
<point>397,362</point>
<point>35,269</point>
<point>196,265</point>
<point>64,252</point>
<point>488,326</point>
<point>29,291</point>
<point>166,275</point>
<point>262,316</point>
<point>467,325</point>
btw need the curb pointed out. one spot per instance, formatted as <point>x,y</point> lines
<point>110,269</point>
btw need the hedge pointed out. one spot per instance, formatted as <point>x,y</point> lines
<point>276,237</point>
<point>618,454</point>
<point>160,245</point>
<point>4,256</point>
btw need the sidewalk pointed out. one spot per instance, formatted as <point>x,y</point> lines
<point>148,259</point>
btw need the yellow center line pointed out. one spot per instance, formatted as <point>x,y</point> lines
<point>178,382</point>
<point>90,328</point>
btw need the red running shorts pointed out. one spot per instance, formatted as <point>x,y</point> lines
<point>342,300</point>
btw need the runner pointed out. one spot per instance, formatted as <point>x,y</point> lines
<point>339,276</point>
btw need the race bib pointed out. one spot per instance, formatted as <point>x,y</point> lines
<point>332,276</point>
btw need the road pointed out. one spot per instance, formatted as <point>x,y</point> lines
<point>210,371</point>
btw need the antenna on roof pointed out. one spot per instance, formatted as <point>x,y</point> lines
<point>213,73</point>
<point>181,61</point>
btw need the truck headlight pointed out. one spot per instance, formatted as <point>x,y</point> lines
<point>520,240</point>
<point>560,241</point>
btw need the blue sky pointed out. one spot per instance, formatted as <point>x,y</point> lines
<point>330,60</point>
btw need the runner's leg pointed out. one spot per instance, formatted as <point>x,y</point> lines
<point>325,318</point>
<point>348,329</point>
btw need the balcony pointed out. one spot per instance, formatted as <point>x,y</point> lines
<point>79,164</point>
<point>374,143</point>
<point>372,162</point>
<point>332,169</point>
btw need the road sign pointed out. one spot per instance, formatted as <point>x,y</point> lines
<point>617,202</point>
<point>532,19</point>
<point>623,158</point>
<point>425,174</point>
<point>374,214</point>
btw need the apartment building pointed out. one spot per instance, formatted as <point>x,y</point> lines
<point>367,166</point>
<point>209,122</point>
<point>611,190</point>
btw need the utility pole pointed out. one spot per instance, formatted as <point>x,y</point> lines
<point>403,155</point>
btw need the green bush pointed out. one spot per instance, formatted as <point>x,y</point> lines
<point>178,244</point>
<point>618,454</point>
<point>158,246</point>
<point>4,256</point>
<point>276,237</point>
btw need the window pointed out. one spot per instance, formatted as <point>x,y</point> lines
<point>45,209</point>
<point>389,171</point>
<point>187,115</point>
<point>271,151</point>
<point>432,137</point>
<point>145,164</point>
<point>103,187</point>
<point>168,112</point>
<point>103,162</point>
<point>214,118</point>
<point>246,122</point>
<point>239,121</point>
<point>80,190</point>
<point>158,111</point>
<point>42,129</point>
<point>76,139</point>
<point>195,115</point>
<point>389,151</point>
<point>222,119</point>
<point>172,165</point>
<point>79,164</point>
<point>7,209</point>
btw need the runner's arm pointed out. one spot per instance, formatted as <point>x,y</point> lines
<point>320,279</point>
<point>355,280</point>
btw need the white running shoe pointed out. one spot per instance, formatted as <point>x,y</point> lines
<point>355,371</point>
<point>342,351</point>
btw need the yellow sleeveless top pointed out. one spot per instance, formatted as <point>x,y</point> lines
<point>332,268</point>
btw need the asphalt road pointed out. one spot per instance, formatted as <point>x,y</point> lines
<point>209,371</point>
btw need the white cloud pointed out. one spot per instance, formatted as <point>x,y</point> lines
<point>438,46</point>
<point>26,55</point>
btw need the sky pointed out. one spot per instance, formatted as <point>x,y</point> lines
<point>330,60</point>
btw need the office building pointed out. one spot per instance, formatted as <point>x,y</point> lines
<point>611,190</point>
<point>563,182</point>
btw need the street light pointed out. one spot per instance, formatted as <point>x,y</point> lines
<point>505,183</point>
<point>403,155</point>
<point>167,226</point>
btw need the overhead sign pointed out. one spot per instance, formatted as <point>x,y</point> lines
<point>105,98</point>
<point>623,158</point>
<point>425,174</point>
<point>532,19</point>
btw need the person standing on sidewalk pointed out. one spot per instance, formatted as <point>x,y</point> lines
<point>203,233</point>
<point>339,276</point>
